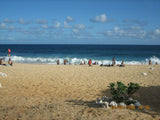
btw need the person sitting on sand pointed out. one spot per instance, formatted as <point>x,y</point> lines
<point>94,63</point>
<point>122,64</point>
<point>150,63</point>
<point>81,63</point>
<point>156,63</point>
<point>1,62</point>
<point>90,62</point>
<point>10,62</point>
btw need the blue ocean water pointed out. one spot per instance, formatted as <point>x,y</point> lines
<point>103,54</point>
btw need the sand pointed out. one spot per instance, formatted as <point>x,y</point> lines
<point>51,92</point>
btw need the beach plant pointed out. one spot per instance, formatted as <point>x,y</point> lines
<point>132,88</point>
<point>122,93</point>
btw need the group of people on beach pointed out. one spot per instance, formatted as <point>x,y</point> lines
<point>114,63</point>
<point>9,62</point>
<point>95,63</point>
<point>150,62</point>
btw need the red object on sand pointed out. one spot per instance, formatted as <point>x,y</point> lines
<point>9,50</point>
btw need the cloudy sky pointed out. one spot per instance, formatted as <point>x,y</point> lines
<point>80,22</point>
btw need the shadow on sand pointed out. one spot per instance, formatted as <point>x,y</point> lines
<point>145,95</point>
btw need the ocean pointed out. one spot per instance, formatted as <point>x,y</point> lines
<point>103,54</point>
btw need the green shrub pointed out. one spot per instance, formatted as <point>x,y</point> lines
<point>122,93</point>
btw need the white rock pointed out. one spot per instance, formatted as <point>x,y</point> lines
<point>97,101</point>
<point>137,104</point>
<point>104,98</point>
<point>132,104</point>
<point>113,104</point>
<point>106,104</point>
<point>103,106</point>
<point>144,74</point>
<point>100,102</point>
<point>122,104</point>
<point>151,68</point>
<point>3,74</point>
<point>130,99</point>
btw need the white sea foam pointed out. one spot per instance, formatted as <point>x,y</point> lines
<point>50,60</point>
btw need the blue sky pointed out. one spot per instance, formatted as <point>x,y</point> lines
<point>80,22</point>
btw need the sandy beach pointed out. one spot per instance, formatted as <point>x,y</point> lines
<point>52,92</point>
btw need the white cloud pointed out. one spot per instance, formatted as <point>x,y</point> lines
<point>157,31</point>
<point>7,20</point>
<point>117,32</point>
<point>41,21</point>
<point>69,19</point>
<point>101,18</point>
<point>45,26</point>
<point>134,21</point>
<point>116,28</point>
<point>80,26</point>
<point>6,38</point>
<point>154,34</point>
<point>32,32</point>
<point>75,31</point>
<point>2,25</point>
<point>135,27</point>
<point>66,25</point>
<point>23,22</point>
<point>57,24</point>
<point>11,27</point>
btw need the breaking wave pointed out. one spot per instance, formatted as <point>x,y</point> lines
<point>34,60</point>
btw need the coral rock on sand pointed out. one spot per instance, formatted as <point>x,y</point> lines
<point>137,104</point>
<point>144,74</point>
<point>151,68</point>
<point>3,74</point>
<point>113,104</point>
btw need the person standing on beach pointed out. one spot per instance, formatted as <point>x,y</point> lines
<point>90,62</point>
<point>150,63</point>
<point>57,62</point>
<point>113,61</point>
<point>9,52</point>
<point>65,61</point>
